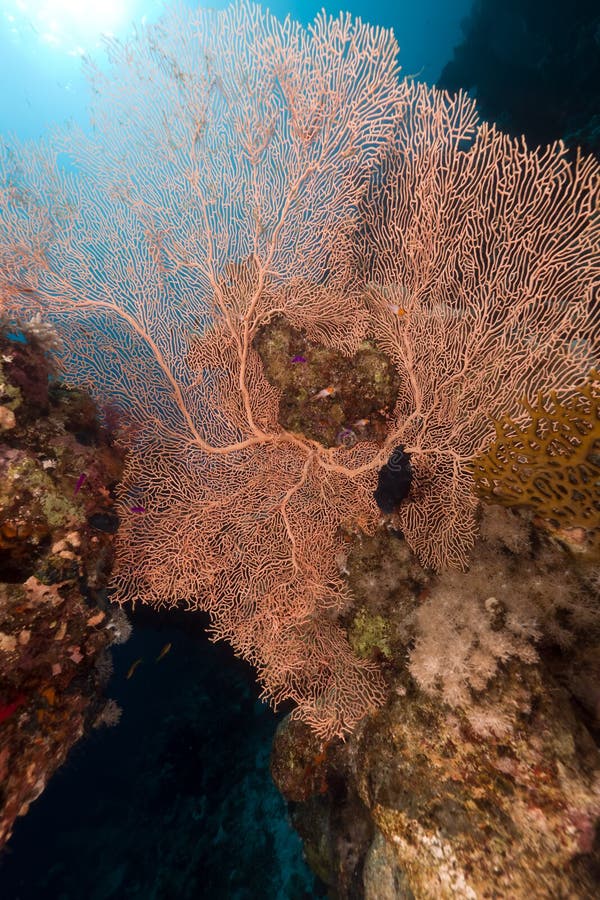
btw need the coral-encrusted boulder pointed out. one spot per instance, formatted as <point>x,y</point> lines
<point>439,812</point>
<point>480,778</point>
<point>475,818</point>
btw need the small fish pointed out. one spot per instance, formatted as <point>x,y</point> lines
<point>360,423</point>
<point>80,481</point>
<point>20,288</point>
<point>326,392</point>
<point>415,75</point>
<point>397,310</point>
<point>163,652</point>
<point>298,359</point>
<point>137,509</point>
<point>133,667</point>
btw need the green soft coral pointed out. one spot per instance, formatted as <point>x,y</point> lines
<point>27,478</point>
<point>370,633</point>
<point>10,394</point>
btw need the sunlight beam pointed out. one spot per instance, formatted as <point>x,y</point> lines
<point>70,24</point>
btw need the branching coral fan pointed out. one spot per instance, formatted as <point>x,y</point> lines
<point>241,168</point>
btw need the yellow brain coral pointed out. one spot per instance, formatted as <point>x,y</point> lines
<point>552,464</point>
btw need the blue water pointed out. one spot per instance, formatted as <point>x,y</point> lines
<point>176,801</point>
<point>42,41</point>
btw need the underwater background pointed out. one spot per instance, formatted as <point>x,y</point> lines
<point>177,800</point>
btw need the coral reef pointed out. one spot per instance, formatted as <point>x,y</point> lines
<point>320,276</point>
<point>480,777</point>
<point>243,171</point>
<point>57,469</point>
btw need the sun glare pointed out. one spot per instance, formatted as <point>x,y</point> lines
<point>70,25</point>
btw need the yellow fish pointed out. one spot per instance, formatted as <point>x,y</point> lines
<point>133,667</point>
<point>163,652</point>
